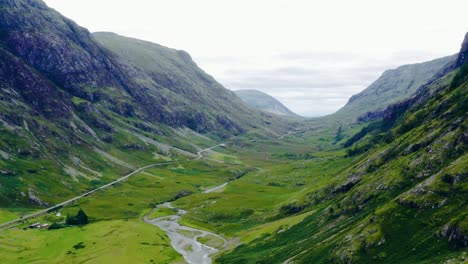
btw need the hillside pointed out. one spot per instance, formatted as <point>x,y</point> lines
<point>402,199</point>
<point>195,98</point>
<point>262,101</point>
<point>393,86</point>
<point>74,114</point>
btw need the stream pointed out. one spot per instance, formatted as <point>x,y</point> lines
<point>185,239</point>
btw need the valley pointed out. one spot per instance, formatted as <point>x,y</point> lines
<point>280,189</point>
<point>119,150</point>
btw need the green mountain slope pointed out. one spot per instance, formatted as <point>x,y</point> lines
<point>393,86</point>
<point>188,90</point>
<point>264,102</point>
<point>74,114</point>
<point>403,200</point>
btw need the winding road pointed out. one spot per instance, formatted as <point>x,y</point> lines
<point>20,220</point>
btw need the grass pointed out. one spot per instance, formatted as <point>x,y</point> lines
<point>149,188</point>
<point>272,227</point>
<point>211,241</point>
<point>160,212</point>
<point>115,241</point>
<point>188,233</point>
<point>6,215</point>
<point>256,198</point>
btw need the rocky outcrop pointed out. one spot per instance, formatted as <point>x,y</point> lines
<point>455,235</point>
<point>390,113</point>
<point>463,55</point>
<point>34,199</point>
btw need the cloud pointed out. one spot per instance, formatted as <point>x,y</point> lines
<point>310,54</point>
<point>309,83</point>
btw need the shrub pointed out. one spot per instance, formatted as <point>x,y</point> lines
<point>292,208</point>
<point>56,226</point>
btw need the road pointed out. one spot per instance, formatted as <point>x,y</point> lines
<point>121,179</point>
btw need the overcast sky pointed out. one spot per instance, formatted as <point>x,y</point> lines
<point>311,55</point>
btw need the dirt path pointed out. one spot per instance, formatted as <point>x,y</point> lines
<point>217,188</point>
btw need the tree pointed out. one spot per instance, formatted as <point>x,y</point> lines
<point>339,134</point>
<point>79,219</point>
<point>82,217</point>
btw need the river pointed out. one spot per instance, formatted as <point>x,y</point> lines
<point>185,239</point>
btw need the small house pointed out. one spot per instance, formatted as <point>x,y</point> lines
<point>35,225</point>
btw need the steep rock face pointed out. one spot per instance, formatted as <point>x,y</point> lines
<point>463,55</point>
<point>55,46</point>
<point>41,94</point>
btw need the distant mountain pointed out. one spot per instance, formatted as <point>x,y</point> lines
<point>262,101</point>
<point>393,86</point>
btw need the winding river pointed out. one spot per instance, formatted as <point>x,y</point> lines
<point>185,240</point>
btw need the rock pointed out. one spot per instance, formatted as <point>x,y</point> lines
<point>7,172</point>
<point>34,199</point>
<point>4,155</point>
<point>455,235</point>
<point>463,55</point>
<point>182,193</point>
<point>353,180</point>
<point>134,146</point>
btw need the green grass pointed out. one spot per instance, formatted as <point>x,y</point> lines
<point>115,241</point>
<point>160,212</point>
<point>272,227</point>
<point>6,215</point>
<point>149,188</point>
<point>211,241</point>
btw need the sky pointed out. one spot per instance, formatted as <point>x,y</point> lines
<point>310,55</point>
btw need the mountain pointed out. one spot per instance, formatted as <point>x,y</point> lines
<point>392,86</point>
<point>262,101</point>
<point>76,111</point>
<point>195,98</point>
<point>401,199</point>
<point>71,59</point>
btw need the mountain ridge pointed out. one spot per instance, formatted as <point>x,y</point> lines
<point>392,86</point>
<point>263,101</point>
